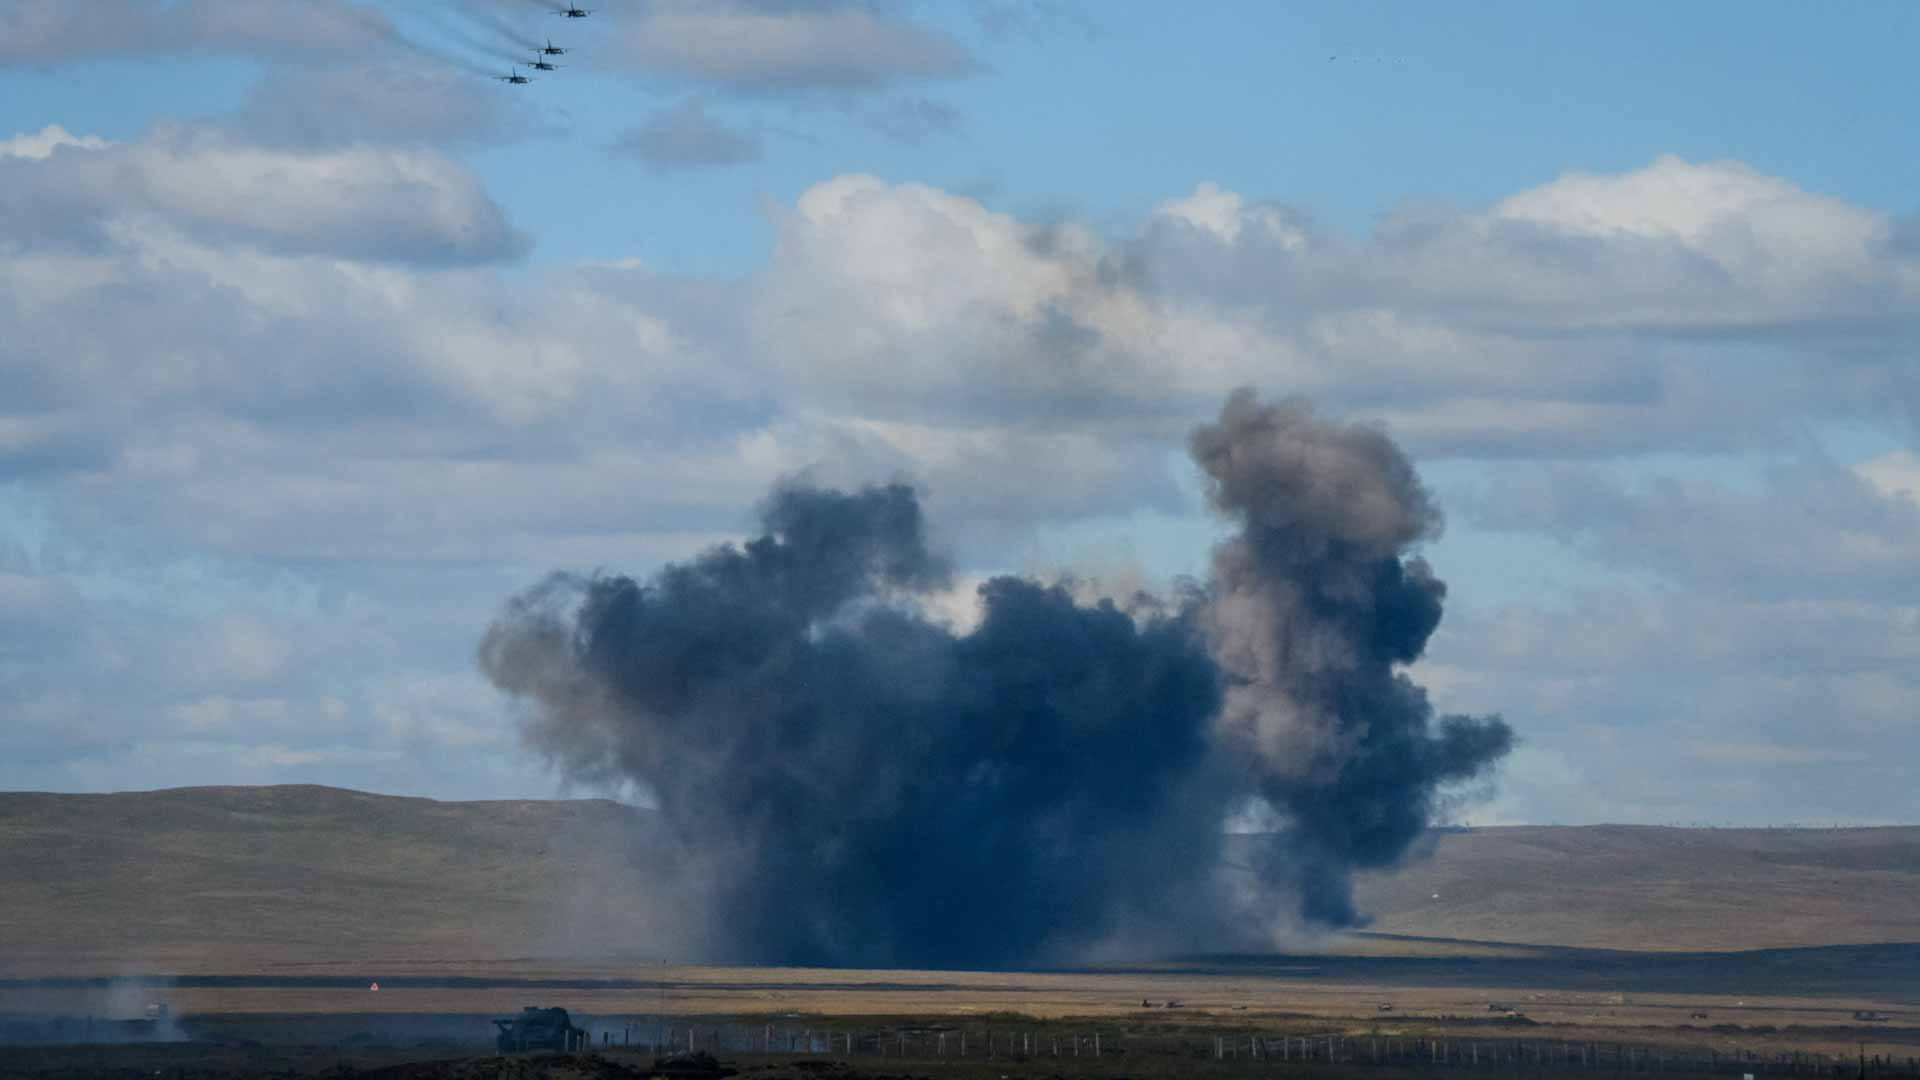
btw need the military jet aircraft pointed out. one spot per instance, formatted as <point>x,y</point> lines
<point>552,49</point>
<point>539,64</point>
<point>516,77</point>
<point>573,11</point>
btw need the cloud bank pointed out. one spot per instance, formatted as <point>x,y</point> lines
<point>290,367</point>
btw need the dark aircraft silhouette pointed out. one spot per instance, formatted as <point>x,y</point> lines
<point>541,65</point>
<point>516,77</point>
<point>552,49</point>
<point>573,12</point>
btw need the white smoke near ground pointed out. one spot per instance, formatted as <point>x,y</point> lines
<point>135,1009</point>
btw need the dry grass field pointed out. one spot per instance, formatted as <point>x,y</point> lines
<point>271,910</point>
<point>1641,887</point>
<point>226,880</point>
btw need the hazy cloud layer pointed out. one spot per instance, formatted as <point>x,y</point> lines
<point>288,345</point>
<point>767,46</point>
<point>684,136</point>
<point>36,33</point>
<point>388,99</point>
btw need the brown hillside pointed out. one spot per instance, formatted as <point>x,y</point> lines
<point>236,878</point>
<point>307,878</point>
<point>1647,887</point>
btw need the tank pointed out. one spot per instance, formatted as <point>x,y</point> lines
<point>540,1029</point>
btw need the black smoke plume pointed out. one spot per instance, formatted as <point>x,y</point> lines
<point>844,781</point>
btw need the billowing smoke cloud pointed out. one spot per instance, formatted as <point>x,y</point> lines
<point>842,780</point>
<point>1313,605</point>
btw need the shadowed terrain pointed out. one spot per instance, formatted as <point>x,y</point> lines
<point>233,880</point>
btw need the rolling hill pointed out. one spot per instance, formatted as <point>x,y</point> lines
<point>234,879</point>
<point>1657,888</point>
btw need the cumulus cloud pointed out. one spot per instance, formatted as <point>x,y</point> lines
<point>356,202</point>
<point>896,329</point>
<point>41,144</point>
<point>300,352</point>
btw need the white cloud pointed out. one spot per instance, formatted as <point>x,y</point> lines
<point>357,202</point>
<point>1895,475</point>
<point>1225,215</point>
<point>252,360</point>
<point>41,144</point>
<point>1697,204</point>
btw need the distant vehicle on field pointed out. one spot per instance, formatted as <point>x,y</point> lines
<point>540,1029</point>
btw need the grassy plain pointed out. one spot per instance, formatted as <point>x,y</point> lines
<point>239,880</point>
<point>268,912</point>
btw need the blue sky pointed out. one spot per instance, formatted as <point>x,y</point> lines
<point>323,344</point>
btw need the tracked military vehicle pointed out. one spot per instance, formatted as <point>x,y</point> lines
<point>540,1029</point>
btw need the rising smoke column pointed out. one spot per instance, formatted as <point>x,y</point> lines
<point>844,781</point>
<point>851,783</point>
<point>1315,604</point>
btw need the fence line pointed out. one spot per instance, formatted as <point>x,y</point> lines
<point>1015,1042</point>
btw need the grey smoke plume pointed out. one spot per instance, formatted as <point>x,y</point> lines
<point>844,781</point>
<point>1313,606</point>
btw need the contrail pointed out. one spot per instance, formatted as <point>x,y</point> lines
<point>842,780</point>
<point>469,37</point>
<point>394,36</point>
<point>453,60</point>
<point>504,28</point>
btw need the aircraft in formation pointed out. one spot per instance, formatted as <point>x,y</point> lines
<point>540,61</point>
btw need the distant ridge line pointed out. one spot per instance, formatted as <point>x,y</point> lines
<point>192,789</point>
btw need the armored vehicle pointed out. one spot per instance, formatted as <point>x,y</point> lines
<point>540,1029</point>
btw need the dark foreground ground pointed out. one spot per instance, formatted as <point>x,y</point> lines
<point>1002,1047</point>
<point>184,1062</point>
<point>1469,1009</point>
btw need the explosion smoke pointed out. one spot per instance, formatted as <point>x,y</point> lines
<point>1313,604</point>
<point>848,782</point>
